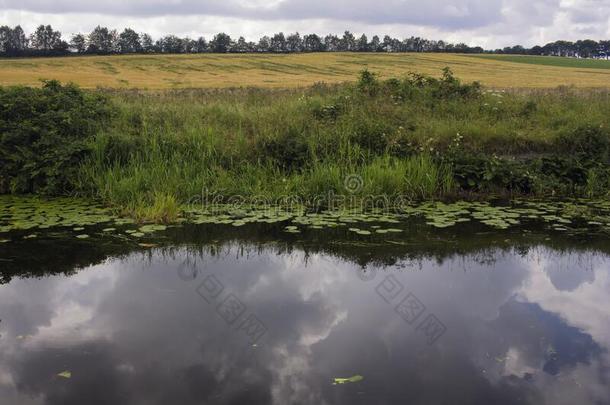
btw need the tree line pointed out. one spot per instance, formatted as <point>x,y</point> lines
<point>46,41</point>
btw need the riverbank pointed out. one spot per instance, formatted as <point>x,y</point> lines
<point>146,154</point>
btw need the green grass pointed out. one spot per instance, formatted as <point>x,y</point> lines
<point>167,148</point>
<point>550,61</point>
<point>417,138</point>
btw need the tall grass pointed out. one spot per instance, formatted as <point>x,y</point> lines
<point>165,148</point>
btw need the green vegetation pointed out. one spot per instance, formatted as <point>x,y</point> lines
<point>24,218</point>
<point>44,135</point>
<point>415,138</point>
<point>558,61</point>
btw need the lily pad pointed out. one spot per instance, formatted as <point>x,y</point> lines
<point>353,379</point>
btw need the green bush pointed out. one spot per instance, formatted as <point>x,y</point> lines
<point>587,142</point>
<point>289,150</point>
<point>44,135</point>
<point>423,86</point>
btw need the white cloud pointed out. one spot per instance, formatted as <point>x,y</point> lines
<point>489,23</point>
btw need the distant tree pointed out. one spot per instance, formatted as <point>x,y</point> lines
<point>241,46</point>
<point>331,43</point>
<point>190,45</point>
<point>102,41</point>
<point>129,41</point>
<point>146,43</point>
<point>5,37</point>
<point>604,49</point>
<point>79,43</point>
<point>375,45</point>
<point>171,44</point>
<point>586,48</point>
<point>13,42</point>
<point>264,44</point>
<point>362,44</point>
<point>461,48</point>
<point>201,45</point>
<point>387,44</point>
<point>313,43</point>
<point>20,42</point>
<point>348,42</point>
<point>221,43</point>
<point>278,43</point>
<point>45,39</point>
<point>294,43</point>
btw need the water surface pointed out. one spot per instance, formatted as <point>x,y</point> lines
<point>254,316</point>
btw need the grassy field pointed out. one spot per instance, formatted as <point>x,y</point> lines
<point>550,61</point>
<point>296,70</point>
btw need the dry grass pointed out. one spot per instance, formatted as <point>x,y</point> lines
<point>283,71</point>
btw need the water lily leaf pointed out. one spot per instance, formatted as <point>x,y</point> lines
<point>353,379</point>
<point>147,245</point>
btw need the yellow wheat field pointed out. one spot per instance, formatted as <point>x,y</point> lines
<point>283,71</point>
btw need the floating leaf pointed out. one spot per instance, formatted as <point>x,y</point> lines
<point>353,379</point>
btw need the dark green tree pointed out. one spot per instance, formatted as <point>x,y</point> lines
<point>129,41</point>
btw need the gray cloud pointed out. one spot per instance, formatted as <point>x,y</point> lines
<point>488,23</point>
<point>456,14</point>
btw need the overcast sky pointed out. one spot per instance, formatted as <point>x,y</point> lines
<point>488,23</point>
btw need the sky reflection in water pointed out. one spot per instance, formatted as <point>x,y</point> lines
<point>158,327</point>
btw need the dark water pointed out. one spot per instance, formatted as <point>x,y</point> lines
<point>252,317</point>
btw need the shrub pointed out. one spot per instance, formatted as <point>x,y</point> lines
<point>44,135</point>
<point>289,150</point>
<point>587,142</point>
<point>482,173</point>
<point>368,83</point>
<point>371,134</point>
